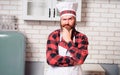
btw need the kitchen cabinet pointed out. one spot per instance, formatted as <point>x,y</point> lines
<point>45,10</point>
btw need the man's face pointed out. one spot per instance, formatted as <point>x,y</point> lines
<point>68,22</point>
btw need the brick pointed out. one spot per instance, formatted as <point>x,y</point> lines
<point>94,42</point>
<point>113,47</point>
<point>32,31</point>
<point>117,11</point>
<point>43,49</point>
<point>93,5</point>
<point>27,35</point>
<point>92,33</point>
<point>38,36</point>
<point>100,19</point>
<point>31,59</point>
<point>4,11</point>
<point>101,29</point>
<point>117,52</point>
<point>92,24</point>
<point>3,2</point>
<point>17,2</point>
<point>88,1</point>
<point>13,12</point>
<point>34,40</point>
<point>42,59</point>
<point>105,61</point>
<point>117,61</point>
<point>32,22</point>
<point>47,23</point>
<point>108,6</point>
<point>107,15</point>
<point>118,15</point>
<point>114,29</point>
<point>99,38</point>
<point>98,56</point>
<point>45,31</point>
<point>114,2</point>
<point>107,34</point>
<point>106,52</point>
<point>94,52</point>
<point>117,34</point>
<point>114,39</point>
<point>1,7</point>
<point>118,6</point>
<point>107,24</point>
<point>101,10</point>
<point>20,8</point>
<point>93,14</point>
<point>98,47</point>
<point>8,7</point>
<point>20,21</point>
<point>89,47</point>
<point>36,55</point>
<point>84,28</point>
<point>102,1</point>
<point>35,49</point>
<point>52,28</point>
<point>83,14</point>
<point>25,27</point>
<point>115,57</point>
<point>84,5</point>
<point>106,43</point>
<point>28,54</point>
<point>117,43</point>
<point>87,10</point>
<point>114,20</point>
<point>91,60</point>
<point>43,45</point>
<point>117,25</point>
<point>39,27</point>
<point>43,41</point>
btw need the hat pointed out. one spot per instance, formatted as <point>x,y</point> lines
<point>67,8</point>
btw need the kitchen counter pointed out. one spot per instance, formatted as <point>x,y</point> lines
<point>92,69</point>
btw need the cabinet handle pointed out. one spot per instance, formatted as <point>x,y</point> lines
<point>54,12</point>
<point>49,12</point>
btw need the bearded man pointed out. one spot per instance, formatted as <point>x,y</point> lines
<point>66,47</point>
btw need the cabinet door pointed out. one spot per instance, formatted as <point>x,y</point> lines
<point>78,12</point>
<point>37,9</point>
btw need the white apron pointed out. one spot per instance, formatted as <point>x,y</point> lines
<point>72,70</point>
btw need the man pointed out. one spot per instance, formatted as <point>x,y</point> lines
<point>67,48</point>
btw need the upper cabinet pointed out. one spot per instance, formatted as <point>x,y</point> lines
<point>45,10</point>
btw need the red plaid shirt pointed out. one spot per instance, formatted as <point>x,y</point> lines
<point>77,49</point>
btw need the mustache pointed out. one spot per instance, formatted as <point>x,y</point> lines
<point>66,25</point>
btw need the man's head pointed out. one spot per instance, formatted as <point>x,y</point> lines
<point>67,14</point>
<point>68,22</point>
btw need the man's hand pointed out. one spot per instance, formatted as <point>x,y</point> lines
<point>66,34</point>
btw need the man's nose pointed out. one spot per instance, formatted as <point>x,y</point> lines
<point>67,22</point>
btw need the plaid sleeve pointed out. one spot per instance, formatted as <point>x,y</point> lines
<point>53,58</point>
<point>79,49</point>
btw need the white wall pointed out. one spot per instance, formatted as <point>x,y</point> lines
<point>100,22</point>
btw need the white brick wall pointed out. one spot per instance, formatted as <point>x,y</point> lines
<point>100,22</point>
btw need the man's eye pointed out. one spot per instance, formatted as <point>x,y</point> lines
<point>64,19</point>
